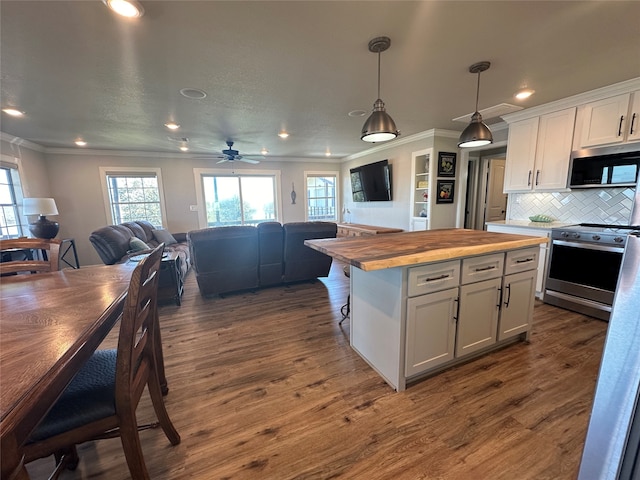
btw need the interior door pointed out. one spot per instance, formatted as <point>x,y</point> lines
<point>496,206</point>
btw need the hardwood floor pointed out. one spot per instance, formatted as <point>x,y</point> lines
<point>264,385</point>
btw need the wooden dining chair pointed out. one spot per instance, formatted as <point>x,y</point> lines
<point>51,248</point>
<point>101,400</point>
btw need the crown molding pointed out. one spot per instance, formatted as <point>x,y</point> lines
<point>21,142</point>
<point>427,134</point>
<point>620,88</point>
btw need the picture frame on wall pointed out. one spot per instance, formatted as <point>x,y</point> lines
<point>447,164</point>
<point>446,191</point>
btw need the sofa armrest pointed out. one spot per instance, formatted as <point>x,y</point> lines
<point>180,237</point>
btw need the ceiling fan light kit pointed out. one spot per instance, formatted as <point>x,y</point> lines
<point>379,127</point>
<point>477,133</point>
<point>231,155</point>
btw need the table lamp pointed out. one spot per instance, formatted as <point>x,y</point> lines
<point>42,228</point>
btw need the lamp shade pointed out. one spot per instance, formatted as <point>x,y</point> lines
<point>39,206</point>
<point>476,134</point>
<point>379,127</point>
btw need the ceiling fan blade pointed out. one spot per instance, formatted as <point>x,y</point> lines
<point>223,160</point>
<point>248,160</point>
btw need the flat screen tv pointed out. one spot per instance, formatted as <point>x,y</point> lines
<point>371,182</point>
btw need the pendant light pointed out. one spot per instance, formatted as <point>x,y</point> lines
<point>477,133</point>
<point>379,127</point>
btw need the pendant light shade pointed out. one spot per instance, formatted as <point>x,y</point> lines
<point>477,133</point>
<point>379,127</point>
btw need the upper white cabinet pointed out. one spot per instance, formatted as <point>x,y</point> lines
<point>609,121</point>
<point>538,151</point>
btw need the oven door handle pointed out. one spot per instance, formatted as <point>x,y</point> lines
<point>588,246</point>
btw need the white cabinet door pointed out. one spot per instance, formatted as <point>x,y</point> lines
<point>633,131</point>
<point>555,138</point>
<point>521,154</point>
<point>516,313</point>
<point>603,122</point>
<point>431,331</point>
<point>478,316</point>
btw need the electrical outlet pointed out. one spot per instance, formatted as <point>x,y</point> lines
<point>193,208</point>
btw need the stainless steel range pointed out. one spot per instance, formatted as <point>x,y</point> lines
<point>584,266</point>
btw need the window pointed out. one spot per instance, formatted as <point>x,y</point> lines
<point>134,195</point>
<point>239,199</point>
<point>11,224</point>
<point>322,196</point>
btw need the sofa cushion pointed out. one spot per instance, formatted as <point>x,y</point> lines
<point>137,245</point>
<point>111,242</point>
<point>148,229</point>
<point>300,261</point>
<point>225,259</point>
<point>136,230</point>
<point>161,235</point>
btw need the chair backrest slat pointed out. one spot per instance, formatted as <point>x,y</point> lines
<point>137,328</point>
<point>12,245</point>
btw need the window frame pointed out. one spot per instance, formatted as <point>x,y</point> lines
<point>18,191</point>
<point>131,172</point>
<point>198,173</point>
<point>322,173</point>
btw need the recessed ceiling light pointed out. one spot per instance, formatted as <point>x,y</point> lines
<point>184,148</point>
<point>80,143</point>
<point>14,112</point>
<point>283,134</point>
<point>194,93</point>
<point>126,8</point>
<point>524,93</point>
<point>264,151</point>
<point>172,126</point>
<point>327,153</point>
<point>357,113</point>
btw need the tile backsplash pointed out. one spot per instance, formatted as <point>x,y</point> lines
<point>598,205</point>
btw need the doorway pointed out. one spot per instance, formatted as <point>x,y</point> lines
<point>485,180</point>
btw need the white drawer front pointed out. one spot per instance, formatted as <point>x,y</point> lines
<point>483,267</point>
<point>522,260</point>
<point>433,277</point>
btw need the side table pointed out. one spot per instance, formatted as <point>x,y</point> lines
<point>170,283</point>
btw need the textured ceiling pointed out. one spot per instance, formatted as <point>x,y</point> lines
<point>78,70</point>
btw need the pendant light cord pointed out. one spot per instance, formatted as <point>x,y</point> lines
<point>478,91</point>
<point>378,73</point>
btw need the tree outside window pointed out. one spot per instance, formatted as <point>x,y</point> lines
<point>134,197</point>
<point>239,199</point>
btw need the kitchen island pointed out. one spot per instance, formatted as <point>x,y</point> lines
<point>424,301</point>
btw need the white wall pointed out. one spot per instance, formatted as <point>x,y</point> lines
<point>397,212</point>
<point>76,186</point>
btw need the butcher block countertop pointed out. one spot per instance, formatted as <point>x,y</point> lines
<point>412,248</point>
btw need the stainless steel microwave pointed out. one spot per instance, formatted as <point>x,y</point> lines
<point>615,166</point>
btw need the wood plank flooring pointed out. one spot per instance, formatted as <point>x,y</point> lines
<point>264,385</point>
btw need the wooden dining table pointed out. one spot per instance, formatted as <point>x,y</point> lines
<point>50,324</point>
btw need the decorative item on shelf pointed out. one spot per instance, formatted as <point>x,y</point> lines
<point>426,165</point>
<point>446,190</point>
<point>293,194</point>
<point>43,227</point>
<point>423,213</point>
<point>541,218</point>
<point>446,164</point>
<point>477,133</point>
<point>379,127</point>
<point>423,184</point>
<point>425,196</point>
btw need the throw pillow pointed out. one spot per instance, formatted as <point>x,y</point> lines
<point>162,236</point>
<point>137,245</point>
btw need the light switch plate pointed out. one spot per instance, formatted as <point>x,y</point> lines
<point>193,208</point>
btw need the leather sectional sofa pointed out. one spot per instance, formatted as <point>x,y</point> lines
<point>227,259</point>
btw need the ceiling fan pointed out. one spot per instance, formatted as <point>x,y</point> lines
<point>231,155</point>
